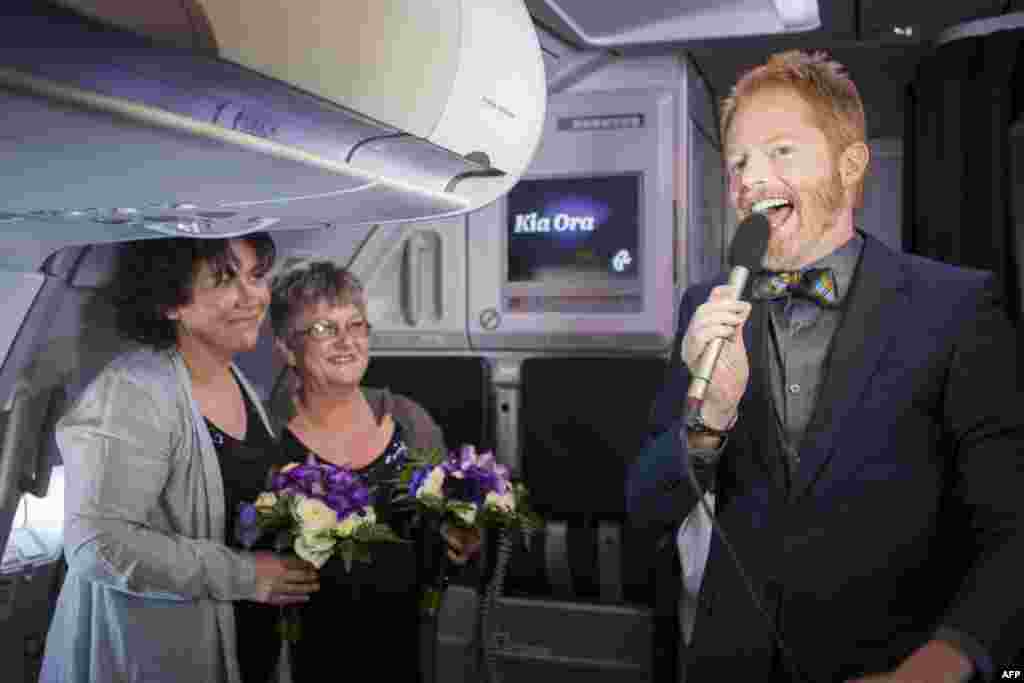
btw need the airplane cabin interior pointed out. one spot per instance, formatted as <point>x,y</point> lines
<point>523,251</point>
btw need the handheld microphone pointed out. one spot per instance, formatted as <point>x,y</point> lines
<point>745,254</point>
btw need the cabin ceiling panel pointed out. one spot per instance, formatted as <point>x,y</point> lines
<point>869,37</point>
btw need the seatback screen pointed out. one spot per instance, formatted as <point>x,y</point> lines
<point>568,228</point>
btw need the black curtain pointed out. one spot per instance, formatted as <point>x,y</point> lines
<point>958,201</point>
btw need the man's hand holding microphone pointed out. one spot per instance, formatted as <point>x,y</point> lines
<point>722,316</point>
<point>713,347</point>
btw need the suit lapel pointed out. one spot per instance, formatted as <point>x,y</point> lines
<point>874,311</point>
<point>757,408</point>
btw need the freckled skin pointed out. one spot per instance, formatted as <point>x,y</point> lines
<point>776,149</point>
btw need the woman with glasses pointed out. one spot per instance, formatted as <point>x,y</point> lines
<point>159,449</point>
<point>318,314</point>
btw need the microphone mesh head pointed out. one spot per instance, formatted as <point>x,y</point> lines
<point>750,243</point>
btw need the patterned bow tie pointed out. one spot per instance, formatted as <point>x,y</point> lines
<point>816,284</point>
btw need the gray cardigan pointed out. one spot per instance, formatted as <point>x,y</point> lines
<point>419,429</point>
<point>150,581</point>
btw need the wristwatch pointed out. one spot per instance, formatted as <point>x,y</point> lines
<point>695,424</point>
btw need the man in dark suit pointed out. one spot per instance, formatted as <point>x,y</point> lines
<point>862,430</point>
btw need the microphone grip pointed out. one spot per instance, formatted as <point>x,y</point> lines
<point>706,365</point>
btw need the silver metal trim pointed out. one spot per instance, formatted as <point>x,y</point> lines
<point>609,561</point>
<point>556,559</point>
<point>166,120</point>
<point>981,27</point>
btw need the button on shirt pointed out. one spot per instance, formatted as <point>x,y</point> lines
<point>802,333</point>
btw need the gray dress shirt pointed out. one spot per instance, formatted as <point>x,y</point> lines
<point>802,333</point>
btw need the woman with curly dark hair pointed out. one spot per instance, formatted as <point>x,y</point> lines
<point>159,450</point>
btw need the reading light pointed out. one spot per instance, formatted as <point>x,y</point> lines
<point>798,14</point>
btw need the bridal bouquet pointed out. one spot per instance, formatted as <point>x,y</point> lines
<point>317,510</point>
<point>469,490</point>
<point>466,490</point>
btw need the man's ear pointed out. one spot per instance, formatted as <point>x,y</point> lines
<point>853,164</point>
<point>285,352</point>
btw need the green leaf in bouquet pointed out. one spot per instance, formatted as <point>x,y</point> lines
<point>346,549</point>
<point>430,601</point>
<point>421,457</point>
<point>528,519</point>
<point>283,540</point>
<point>458,506</point>
<point>377,533</point>
<point>289,628</point>
<point>434,456</point>
<point>431,502</point>
<point>361,552</point>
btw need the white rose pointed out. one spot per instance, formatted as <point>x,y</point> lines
<point>265,501</point>
<point>288,467</point>
<point>432,485</point>
<point>505,501</point>
<point>315,515</point>
<point>315,548</point>
<point>467,516</point>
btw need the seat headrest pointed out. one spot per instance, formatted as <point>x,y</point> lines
<point>96,269</point>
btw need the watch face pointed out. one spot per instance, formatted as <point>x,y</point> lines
<point>695,424</point>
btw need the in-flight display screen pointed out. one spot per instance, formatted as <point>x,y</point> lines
<point>577,232</point>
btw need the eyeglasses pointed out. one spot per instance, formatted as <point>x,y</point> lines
<point>328,329</point>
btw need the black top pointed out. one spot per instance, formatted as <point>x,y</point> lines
<point>245,468</point>
<point>372,610</point>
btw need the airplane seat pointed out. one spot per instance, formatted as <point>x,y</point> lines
<point>455,391</point>
<point>90,324</point>
<point>80,340</point>
<point>583,421</point>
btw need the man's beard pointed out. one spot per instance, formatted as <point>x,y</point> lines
<point>819,207</point>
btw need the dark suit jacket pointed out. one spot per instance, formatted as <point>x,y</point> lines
<point>906,511</point>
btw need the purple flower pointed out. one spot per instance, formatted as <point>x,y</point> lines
<point>248,537</point>
<point>417,480</point>
<point>467,456</point>
<point>361,497</point>
<point>340,477</point>
<point>309,477</point>
<point>248,530</point>
<point>247,515</point>
<point>470,488</point>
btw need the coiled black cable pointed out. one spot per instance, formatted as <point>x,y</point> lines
<point>787,654</point>
<point>484,653</point>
